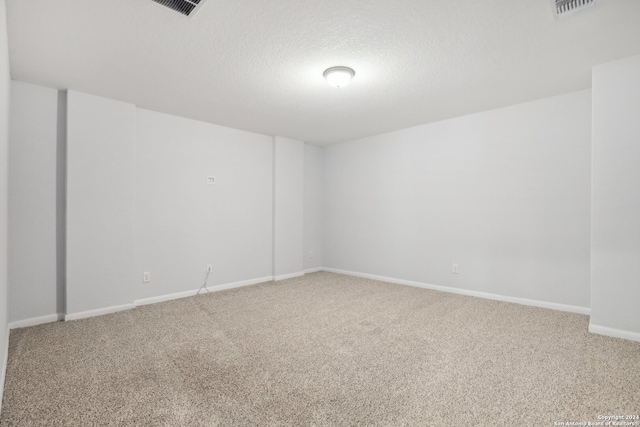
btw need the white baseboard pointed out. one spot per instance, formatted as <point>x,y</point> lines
<point>98,312</point>
<point>312,270</point>
<point>5,360</point>
<point>36,321</point>
<point>289,276</point>
<point>615,333</point>
<point>496,297</point>
<point>161,298</point>
<point>186,294</point>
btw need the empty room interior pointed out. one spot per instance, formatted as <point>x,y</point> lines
<point>319,213</point>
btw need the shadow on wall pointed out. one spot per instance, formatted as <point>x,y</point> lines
<point>61,185</point>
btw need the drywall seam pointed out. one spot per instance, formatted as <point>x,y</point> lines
<point>33,321</point>
<point>186,294</point>
<point>485,295</point>
<point>615,333</point>
<point>98,312</point>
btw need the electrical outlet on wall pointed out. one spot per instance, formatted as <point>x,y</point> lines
<point>146,277</point>
<point>209,268</point>
<point>454,269</point>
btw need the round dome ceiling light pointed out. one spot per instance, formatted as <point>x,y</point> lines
<point>339,76</point>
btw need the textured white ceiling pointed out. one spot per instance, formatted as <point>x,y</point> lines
<point>257,64</point>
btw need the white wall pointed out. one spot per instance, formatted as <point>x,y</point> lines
<point>615,251</point>
<point>100,141</point>
<point>4,191</point>
<point>504,193</point>
<point>289,207</point>
<point>138,201</point>
<point>182,223</point>
<point>32,201</point>
<point>312,206</point>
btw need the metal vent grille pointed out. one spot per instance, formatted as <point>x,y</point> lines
<point>569,7</point>
<point>185,7</point>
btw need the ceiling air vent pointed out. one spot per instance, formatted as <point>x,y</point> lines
<point>185,7</point>
<point>564,8</point>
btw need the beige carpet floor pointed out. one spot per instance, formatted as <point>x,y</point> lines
<point>320,350</point>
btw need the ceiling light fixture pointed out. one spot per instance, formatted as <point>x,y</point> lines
<point>338,76</point>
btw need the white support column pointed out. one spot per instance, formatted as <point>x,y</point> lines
<point>288,208</point>
<point>615,221</point>
<point>100,191</point>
